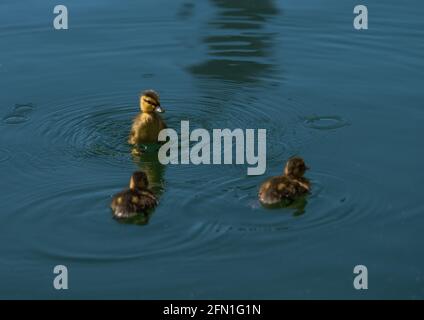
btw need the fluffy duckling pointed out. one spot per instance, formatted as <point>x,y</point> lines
<point>148,123</point>
<point>138,199</point>
<point>286,188</point>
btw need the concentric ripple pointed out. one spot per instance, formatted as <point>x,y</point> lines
<point>325,122</point>
<point>91,128</point>
<point>52,221</point>
<point>15,119</point>
<point>4,155</point>
<point>187,225</point>
<point>94,129</point>
<point>19,114</point>
<point>333,203</point>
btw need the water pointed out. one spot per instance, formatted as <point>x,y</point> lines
<point>349,102</point>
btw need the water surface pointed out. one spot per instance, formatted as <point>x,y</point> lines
<point>349,102</point>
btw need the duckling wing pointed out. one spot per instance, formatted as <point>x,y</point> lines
<point>268,192</point>
<point>147,200</point>
<point>304,185</point>
<point>122,206</point>
<point>277,189</point>
<point>135,128</point>
<point>129,203</point>
<point>116,200</point>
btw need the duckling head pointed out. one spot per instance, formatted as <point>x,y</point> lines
<point>139,180</point>
<point>295,167</point>
<point>150,102</point>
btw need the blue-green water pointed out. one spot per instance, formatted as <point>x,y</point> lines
<point>350,102</point>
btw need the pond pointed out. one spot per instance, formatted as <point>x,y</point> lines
<point>349,102</point>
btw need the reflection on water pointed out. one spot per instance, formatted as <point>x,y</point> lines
<point>297,206</point>
<point>146,159</point>
<point>186,10</point>
<point>237,45</point>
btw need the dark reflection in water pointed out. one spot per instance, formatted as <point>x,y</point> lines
<point>238,46</point>
<point>147,161</point>
<point>186,11</point>
<point>298,206</point>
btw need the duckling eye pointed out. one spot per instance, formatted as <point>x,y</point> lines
<point>151,102</point>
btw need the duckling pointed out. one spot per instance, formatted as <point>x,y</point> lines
<point>288,187</point>
<point>148,123</point>
<point>138,199</point>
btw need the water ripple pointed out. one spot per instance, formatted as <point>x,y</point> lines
<point>19,114</point>
<point>91,128</point>
<point>325,122</point>
<point>4,155</point>
<point>332,204</point>
<point>47,209</point>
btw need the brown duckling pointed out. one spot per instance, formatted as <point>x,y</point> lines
<point>138,199</point>
<point>148,123</point>
<point>286,188</point>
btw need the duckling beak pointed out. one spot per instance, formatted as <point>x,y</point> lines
<point>159,109</point>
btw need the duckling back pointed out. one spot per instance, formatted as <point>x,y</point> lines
<point>146,128</point>
<point>132,202</point>
<point>282,189</point>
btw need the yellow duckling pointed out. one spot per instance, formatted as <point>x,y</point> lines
<point>136,200</point>
<point>148,123</point>
<point>286,188</point>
